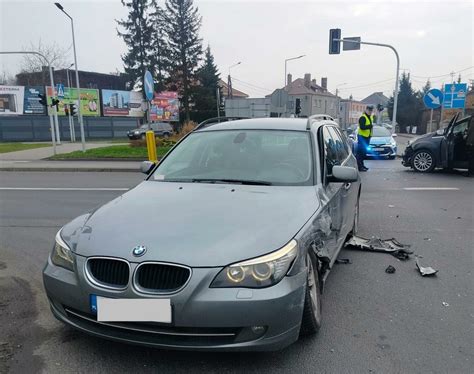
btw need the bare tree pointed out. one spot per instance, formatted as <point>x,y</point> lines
<point>57,56</point>
<point>7,79</point>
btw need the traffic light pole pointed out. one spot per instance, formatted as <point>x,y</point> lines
<point>51,124</point>
<point>395,95</point>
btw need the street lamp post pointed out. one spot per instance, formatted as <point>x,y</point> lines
<point>71,120</point>
<point>229,81</point>
<point>284,81</point>
<point>79,110</point>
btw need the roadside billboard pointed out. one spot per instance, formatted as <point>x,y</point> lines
<point>122,103</point>
<point>31,104</point>
<point>11,100</point>
<point>90,104</point>
<point>165,106</point>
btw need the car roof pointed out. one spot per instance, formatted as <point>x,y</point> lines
<point>297,124</point>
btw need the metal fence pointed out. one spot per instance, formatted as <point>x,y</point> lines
<point>36,128</point>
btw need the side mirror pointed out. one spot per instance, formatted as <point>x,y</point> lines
<point>394,135</point>
<point>344,174</point>
<point>352,136</point>
<point>146,167</point>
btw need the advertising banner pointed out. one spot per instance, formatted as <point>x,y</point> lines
<point>11,100</point>
<point>90,105</point>
<point>122,103</point>
<point>31,104</point>
<point>165,106</point>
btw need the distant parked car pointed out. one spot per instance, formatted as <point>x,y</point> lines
<point>444,148</point>
<point>382,143</point>
<point>161,129</point>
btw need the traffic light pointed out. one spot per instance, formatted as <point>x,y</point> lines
<point>73,109</point>
<point>334,45</point>
<point>298,107</point>
<point>380,107</point>
<point>42,100</point>
<point>54,102</point>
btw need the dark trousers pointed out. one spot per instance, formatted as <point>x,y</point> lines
<point>362,144</point>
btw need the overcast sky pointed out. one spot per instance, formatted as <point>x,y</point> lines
<point>433,38</point>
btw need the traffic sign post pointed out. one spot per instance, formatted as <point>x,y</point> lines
<point>433,99</point>
<point>455,96</point>
<point>149,90</point>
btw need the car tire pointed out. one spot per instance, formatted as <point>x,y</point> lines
<point>391,157</point>
<point>143,136</point>
<point>311,320</point>
<point>166,135</point>
<point>423,161</point>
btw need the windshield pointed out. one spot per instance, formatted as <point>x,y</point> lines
<point>240,156</point>
<point>380,132</point>
<point>144,127</point>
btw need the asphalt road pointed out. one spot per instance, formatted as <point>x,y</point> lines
<point>373,321</point>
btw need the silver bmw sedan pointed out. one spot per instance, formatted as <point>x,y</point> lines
<point>226,244</point>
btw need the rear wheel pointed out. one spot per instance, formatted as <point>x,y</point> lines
<point>311,321</point>
<point>423,161</point>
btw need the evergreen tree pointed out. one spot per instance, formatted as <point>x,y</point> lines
<point>408,104</point>
<point>426,87</point>
<point>205,94</point>
<point>137,33</point>
<point>181,27</point>
<point>160,47</point>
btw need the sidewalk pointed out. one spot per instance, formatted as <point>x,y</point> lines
<point>41,153</point>
<point>62,166</point>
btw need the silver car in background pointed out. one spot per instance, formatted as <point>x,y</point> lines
<point>230,249</point>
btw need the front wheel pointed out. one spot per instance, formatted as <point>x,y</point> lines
<point>423,161</point>
<point>311,320</point>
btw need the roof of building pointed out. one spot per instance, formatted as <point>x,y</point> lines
<point>376,98</point>
<point>235,93</point>
<point>298,124</point>
<point>297,87</point>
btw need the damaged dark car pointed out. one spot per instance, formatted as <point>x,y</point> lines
<point>447,148</point>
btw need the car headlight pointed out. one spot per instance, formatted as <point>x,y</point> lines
<point>62,255</point>
<point>258,272</point>
<point>137,132</point>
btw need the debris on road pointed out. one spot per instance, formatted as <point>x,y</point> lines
<point>392,246</point>
<point>391,206</point>
<point>425,271</point>
<point>343,261</point>
<point>390,269</point>
<point>445,303</point>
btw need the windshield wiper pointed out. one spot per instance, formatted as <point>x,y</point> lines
<point>238,181</point>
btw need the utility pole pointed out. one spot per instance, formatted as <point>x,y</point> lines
<point>229,81</point>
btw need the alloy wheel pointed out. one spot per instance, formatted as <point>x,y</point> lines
<point>422,161</point>
<point>313,285</point>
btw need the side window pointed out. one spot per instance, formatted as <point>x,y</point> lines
<point>341,144</point>
<point>461,127</point>
<point>330,151</point>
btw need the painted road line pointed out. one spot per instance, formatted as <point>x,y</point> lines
<point>61,189</point>
<point>431,189</point>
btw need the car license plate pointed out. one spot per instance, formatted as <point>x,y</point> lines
<point>379,149</point>
<point>131,310</point>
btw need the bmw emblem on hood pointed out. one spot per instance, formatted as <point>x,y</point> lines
<point>139,250</point>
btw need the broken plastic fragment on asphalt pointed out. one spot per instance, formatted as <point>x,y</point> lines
<point>445,303</point>
<point>425,271</point>
<point>343,261</point>
<point>392,246</point>
<point>390,269</point>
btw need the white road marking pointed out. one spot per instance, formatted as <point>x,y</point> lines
<point>431,189</point>
<point>62,189</point>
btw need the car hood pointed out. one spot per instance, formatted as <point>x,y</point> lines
<point>193,223</point>
<point>380,140</point>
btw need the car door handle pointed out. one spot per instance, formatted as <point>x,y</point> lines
<point>347,186</point>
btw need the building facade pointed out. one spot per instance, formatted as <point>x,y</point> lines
<point>350,112</point>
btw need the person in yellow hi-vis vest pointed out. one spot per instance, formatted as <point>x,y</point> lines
<point>364,133</point>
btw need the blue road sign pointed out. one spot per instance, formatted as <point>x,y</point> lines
<point>455,95</point>
<point>149,85</point>
<point>60,90</point>
<point>433,98</point>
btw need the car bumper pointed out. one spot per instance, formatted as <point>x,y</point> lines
<point>382,151</point>
<point>406,157</point>
<point>134,136</point>
<point>204,318</point>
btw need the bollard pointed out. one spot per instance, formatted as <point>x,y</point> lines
<point>151,146</point>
